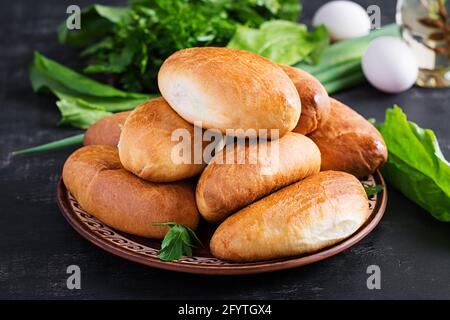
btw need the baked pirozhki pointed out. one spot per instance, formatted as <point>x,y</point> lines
<point>97,179</point>
<point>106,131</point>
<point>285,184</point>
<point>229,89</point>
<point>349,143</point>
<point>146,146</point>
<point>238,176</point>
<point>314,97</point>
<point>304,217</point>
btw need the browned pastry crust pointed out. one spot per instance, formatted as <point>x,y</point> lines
<point>145,145</point>
<point>229,89</point>
<point>349,143</point>
<point>224,188</point>
<point>307,216</point>
<point>106,131</point>
<point>314,97</point>
<point>96,178</point>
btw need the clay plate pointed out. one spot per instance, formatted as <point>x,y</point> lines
<point>145,251</point>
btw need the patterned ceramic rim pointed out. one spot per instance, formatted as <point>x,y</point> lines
<point>122,245</point>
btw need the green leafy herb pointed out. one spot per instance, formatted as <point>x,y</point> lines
<point>416,166</point>
<point>79,113</point>
<point>282,41</point>
<point>97,20</point>
<point>133,42</point>
<point>178,242</point>
<point>47,73</point>
<point>82,101</point>
<point>372,190</point>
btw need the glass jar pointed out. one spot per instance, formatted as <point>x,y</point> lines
<point>425,26</point>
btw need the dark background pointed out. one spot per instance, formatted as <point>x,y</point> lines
<point>37,244</point>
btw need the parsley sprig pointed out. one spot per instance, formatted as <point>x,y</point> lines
<point>178,242</point>
<point>372,190</point>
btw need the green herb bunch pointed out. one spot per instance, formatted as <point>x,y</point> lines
<point>131,43</point>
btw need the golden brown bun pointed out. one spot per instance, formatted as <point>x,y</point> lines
<point>229,89</point>
<point>307,216</point>
<point>314,97</point>
<point>106,131</point>
<point>349,143</point>
<point>96,178</point>
<point>145,145</point>
<point>224,188</point>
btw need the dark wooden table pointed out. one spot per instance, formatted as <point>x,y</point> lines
<point>37,244</point>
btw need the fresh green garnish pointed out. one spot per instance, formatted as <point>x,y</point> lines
<point>282,41</point>
<point>372,190</point>
<point>132,42</point>
<point>98,20</point>
<point>416,166</point>
<point>48,74</point>
<point>80,113</point>
<point>348,50</point>
<point>82,101</point>
<point>338,71</point>
<point>346,82</point>
<point>178,242</point>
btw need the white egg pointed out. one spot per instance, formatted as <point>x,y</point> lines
<point>390,65</point>
<point>343,19</point>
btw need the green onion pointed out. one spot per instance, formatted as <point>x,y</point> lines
<point>340,64</point>
<point>346,50</point>
<point>344,83</point>
<point>339,71</point>
<point>58,144</point>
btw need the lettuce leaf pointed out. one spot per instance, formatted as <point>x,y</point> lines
<point>416,166</point>
<point>282,41</point>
